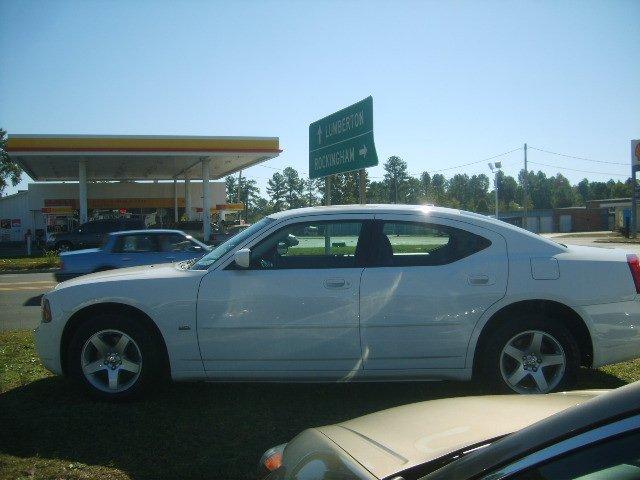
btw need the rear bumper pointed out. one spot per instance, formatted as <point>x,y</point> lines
<point>615,331</point>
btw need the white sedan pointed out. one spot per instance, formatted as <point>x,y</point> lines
<point>352,293</point>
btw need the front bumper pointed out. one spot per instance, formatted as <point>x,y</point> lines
<point>47,342</point>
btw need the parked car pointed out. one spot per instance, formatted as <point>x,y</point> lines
<point>91,234</point>
<point>341,293</point>
<point>573,435</point>
<point>131,248</point>
<point>221,235</point>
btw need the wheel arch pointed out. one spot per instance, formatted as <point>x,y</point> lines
<point>550,308</point>
<point>115,308</point>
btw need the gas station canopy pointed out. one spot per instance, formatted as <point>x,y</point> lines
<point>112,157</point>
<point>86,158</point>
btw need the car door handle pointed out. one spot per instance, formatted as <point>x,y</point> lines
<point>479,280</point>
<point>336,283</point>
<point>170,258</point>
<point>125,259</point>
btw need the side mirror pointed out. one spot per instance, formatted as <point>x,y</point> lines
<point>242,258</point>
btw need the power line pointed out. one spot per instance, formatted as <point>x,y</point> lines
<point>478,161</point>
<point>577,170</point>
<point>279,169</point>
<point>576,157</point>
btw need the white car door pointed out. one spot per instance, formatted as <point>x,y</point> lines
<point>429,282</point>
<point>294,312</point>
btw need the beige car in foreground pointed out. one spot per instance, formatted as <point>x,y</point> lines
<point>586,435</point>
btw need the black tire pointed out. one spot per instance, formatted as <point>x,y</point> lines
<point>493,363</point>
<point>64,246</point>
<point>152,365</point>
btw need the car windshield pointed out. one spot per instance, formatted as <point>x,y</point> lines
<point>224,248</point>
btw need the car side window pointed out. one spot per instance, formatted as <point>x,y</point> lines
<point>174,242</point>
<point>617,458</point>
<point>404,244</point>
<point>137,244</point>
<point>314,245</point>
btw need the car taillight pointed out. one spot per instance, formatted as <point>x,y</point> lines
<point>634,266</point>
<point>271,460</point>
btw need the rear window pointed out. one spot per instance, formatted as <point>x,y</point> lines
<point>404,244</point>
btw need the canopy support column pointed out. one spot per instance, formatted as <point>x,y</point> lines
<point>206,200</point>
<point>187,198</point>
<point>82,190</point>
<point>175,200</point>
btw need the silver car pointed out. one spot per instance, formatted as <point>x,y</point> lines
<point>576,435</point>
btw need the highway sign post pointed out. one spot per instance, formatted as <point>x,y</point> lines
<point>343,142</point>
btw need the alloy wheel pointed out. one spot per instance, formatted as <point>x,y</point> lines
<point>532,362</point>
<point>111,361</point>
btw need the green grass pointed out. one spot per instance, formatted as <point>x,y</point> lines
<point>30,263</point>
<point>49,430</point>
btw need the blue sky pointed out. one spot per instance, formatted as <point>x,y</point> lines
<point>453,82</point>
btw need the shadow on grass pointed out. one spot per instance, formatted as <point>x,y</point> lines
<point>197,430</point>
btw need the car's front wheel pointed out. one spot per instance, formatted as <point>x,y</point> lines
<point>532,354</point>
<point>114,358</point>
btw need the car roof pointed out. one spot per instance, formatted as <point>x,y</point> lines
<point>149,230</point>
<point>437,212</point>
<point>127,220</point>
<point>616,404</point>
<point>370,208</point>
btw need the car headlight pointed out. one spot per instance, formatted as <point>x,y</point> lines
<point>46,310</point>
<point>271,460</point>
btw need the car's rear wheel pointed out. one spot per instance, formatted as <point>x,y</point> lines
<point>532,354</point>
<point>114,358</point>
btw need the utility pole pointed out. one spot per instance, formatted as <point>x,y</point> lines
<point>327,190</point>
<point>327,202</point>
<point>495,167</point>
<point>525,188</point>
<point>495,188</point>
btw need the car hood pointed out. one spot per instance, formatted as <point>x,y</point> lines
<point>393,440</point>
<point>143,272</point>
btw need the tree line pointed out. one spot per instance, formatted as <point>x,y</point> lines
<point>288,189</point>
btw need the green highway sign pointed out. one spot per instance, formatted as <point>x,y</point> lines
<point>343,141</point>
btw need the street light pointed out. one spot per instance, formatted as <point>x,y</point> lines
<point>495,167</point>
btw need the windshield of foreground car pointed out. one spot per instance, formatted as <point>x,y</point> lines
<point>224,248</point>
